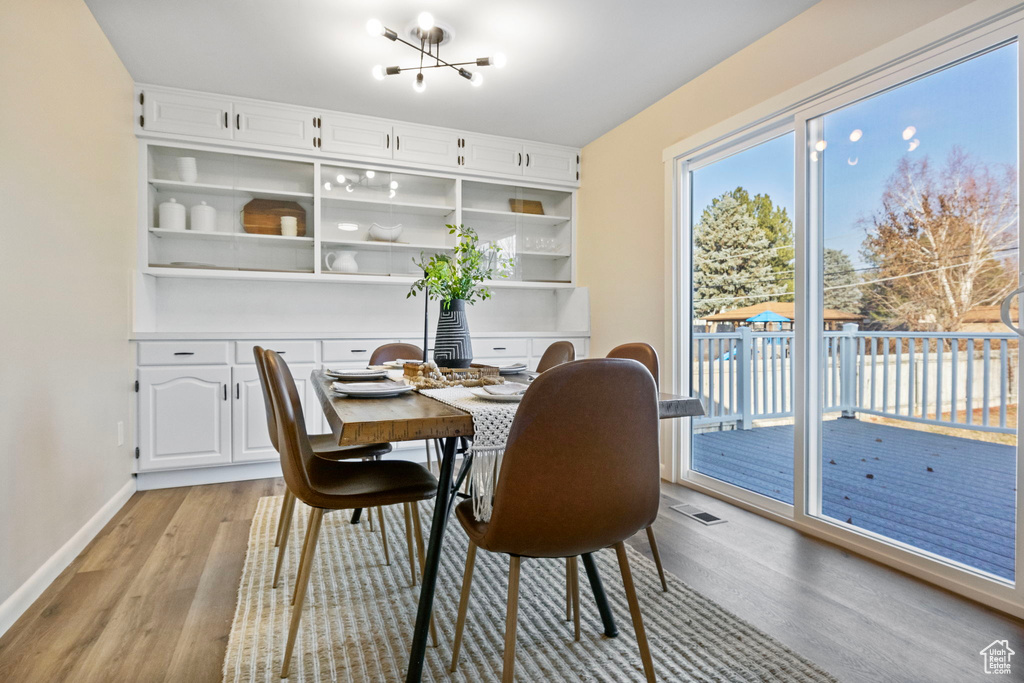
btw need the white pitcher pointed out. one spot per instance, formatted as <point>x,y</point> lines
<point>341,262</point>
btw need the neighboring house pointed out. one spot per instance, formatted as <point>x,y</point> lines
<point>986,319</point>
<point>997,656</point>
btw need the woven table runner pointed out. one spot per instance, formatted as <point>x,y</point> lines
<point>491,424</point>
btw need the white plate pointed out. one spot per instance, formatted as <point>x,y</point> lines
<point>400,363</point>
<point>512,369</point>
<point>356,375</point>
<point>386,392</point>
<point>480,393</point>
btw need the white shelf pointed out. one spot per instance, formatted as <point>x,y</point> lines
<point>396,207</point>
<point>541,254</point>
<point>232,237</point>
<point>536,219</point>
<point>226,190</point>
<point>374,245</point>
<point>298,276</point>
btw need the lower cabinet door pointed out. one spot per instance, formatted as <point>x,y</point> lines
<point>184,417</point>
<point>250,438</point>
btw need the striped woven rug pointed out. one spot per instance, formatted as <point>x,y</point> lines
<point>359,615</point>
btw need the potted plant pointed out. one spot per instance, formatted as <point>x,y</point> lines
<point>454,279</point>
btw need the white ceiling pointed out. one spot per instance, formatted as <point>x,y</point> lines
<point>576,68</point>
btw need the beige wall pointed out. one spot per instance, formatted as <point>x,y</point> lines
<point>67,210</point>
<point>621,243</point>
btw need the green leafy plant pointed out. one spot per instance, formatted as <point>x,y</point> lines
<point>447,277</point>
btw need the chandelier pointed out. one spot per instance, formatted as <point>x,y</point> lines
<point>430,36</point>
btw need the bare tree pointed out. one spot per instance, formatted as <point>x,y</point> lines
<point>942,243</point>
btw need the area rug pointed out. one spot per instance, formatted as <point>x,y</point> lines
<point>359,614</point>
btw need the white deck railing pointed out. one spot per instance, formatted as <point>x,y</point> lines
<point>932,377</point>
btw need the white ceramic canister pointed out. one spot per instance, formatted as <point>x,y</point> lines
<point>187,169</point>
<point>289,226</point>
<point>204,218</point>
<point>172,215</point>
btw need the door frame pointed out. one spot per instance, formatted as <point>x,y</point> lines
<point>943,50</point>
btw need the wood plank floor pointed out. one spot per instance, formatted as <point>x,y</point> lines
<point>152,597</point>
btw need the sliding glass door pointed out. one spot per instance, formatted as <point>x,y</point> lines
<point>850,312</point>
<point>914,193</point>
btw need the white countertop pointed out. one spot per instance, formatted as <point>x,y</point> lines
<point>231,336</point>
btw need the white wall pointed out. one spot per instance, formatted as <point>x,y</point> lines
<point>67,214</point>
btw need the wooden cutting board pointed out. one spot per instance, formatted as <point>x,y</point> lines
<point>263,216</point>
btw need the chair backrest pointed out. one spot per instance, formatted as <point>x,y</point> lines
<point>581,470</point>
<point>396,351</point>
<point>556,354</point>
<point>268,402</point>
<point>292,440</point>
<point>642,352</point>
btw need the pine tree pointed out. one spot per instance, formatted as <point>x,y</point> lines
<point>778,228</point>
<point>732,265</point>
<point>839,274</point>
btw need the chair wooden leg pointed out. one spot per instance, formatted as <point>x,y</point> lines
<point>419,551</point>
<point>284,528</point>
<point>384,535</point>
<point>634,612</point>
<point>287,505</point>
<point>574,574</point>
<point>657,557</point>
<point>430,466</point>
<point>511,617</point>
<point>408,541</point>
<point>568,591</point>
<point>316,516</point>
<point>460,623</point>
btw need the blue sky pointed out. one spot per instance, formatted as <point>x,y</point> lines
<point>972,105</point>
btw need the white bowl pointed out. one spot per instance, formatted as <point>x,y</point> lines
<point>385,234</point>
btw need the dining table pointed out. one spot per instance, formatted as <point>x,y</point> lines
<point>415,417</point>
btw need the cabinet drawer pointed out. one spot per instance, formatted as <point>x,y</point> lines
<point>292,351</point>
<point>340,350</point>
<point>501,348</point>
<point>184,353</point>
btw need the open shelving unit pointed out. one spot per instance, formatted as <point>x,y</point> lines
<point>343,203</point>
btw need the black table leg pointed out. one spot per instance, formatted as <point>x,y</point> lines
<point>355,515</point>
<point>600,598</point>
<point>433,559</point>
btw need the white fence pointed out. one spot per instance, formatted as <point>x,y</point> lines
<point>931,377</point>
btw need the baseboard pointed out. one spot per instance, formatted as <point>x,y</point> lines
<point>19,601</point>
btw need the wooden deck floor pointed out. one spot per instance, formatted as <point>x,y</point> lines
<point>945,494</point>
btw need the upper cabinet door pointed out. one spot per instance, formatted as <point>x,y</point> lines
<point>426,145</point>
<point>279,126</point>
<point>486,153</point>
<point>356,135</point>
<point>184,417</point>
<point>548,161</point>
<point>186,114</point>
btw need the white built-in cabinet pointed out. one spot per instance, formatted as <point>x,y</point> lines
<point>511,157</point>
<point>360,136</point>
<point>168,111</point>
<point>271,124</point>
<point>249,436</point>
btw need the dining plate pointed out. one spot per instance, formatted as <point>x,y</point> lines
<point>400,363</point>
<point>371,389</point>
<point>515,369</point>
<point>497,398</point>
<point>356,375</point>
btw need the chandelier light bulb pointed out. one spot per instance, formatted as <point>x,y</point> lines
<point>856,134</point>
<point>499,60</point>
<point>820,145</point>
<point>418,85</point>
<point>394,184</point>
<point>370,174</point>
<point>340,178</point>
<point>374,27</point>
<point>477,79</point>
<point>425,21</point>
<point>348,188</point>
<point>391,195</point>
<point>378,72</point>
<point>908,132</point>
<point>327,186</point>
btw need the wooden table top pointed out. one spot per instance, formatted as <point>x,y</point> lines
<point>413,416</point>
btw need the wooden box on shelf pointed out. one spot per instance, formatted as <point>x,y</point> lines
<point>263,216</point>
<point>526,206</point>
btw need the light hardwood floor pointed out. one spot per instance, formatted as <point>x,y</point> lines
<point>153,596</point>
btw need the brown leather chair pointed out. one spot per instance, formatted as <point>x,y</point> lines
<point>556,354</point>
<point>402,351</point>
<point>324,446</point>
<point>396,351</point>
<point>646,355</point>
<point>339,485</point>
<point>579,474</point>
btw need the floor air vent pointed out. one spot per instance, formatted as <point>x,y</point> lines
<point>696,513</point>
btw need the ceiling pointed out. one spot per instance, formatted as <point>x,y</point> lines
<point>576,68</point>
